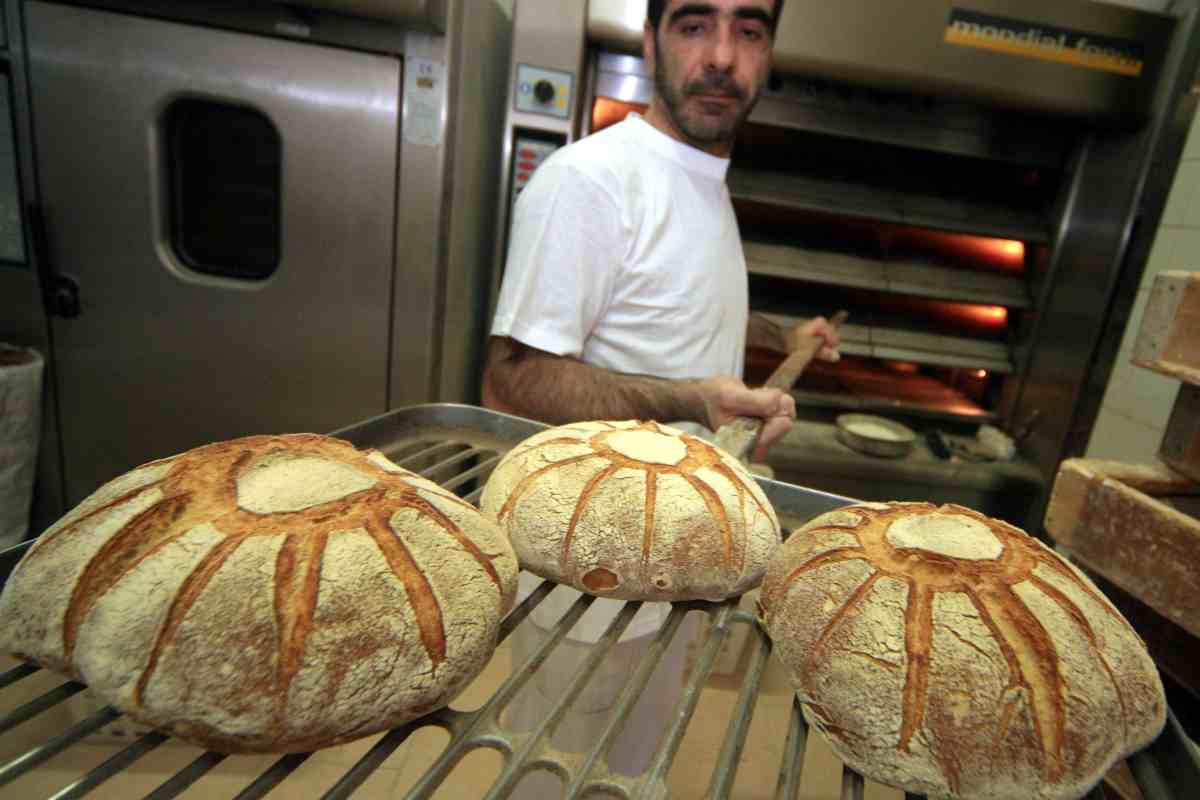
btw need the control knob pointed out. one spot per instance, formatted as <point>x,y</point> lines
<point>543,90</point>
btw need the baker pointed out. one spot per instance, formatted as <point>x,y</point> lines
<point>625,296</point>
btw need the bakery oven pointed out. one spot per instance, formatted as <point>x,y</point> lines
<point>966,179</point>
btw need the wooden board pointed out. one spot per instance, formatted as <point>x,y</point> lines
<point>1169,339</point>
<point>1180,449</point>
<point>1106,514</point>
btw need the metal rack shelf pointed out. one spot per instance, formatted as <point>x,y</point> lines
<point>458,446</point>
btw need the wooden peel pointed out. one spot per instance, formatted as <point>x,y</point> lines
<point>738,436</point>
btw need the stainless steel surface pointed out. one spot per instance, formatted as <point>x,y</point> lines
<point>432,13</point>
<point>884,205</point>
<point>23,318</point>
<point>1110,215</point>
<point>417,290</point>
<point>476,113</point>
<point>925,279</point>
<point>387,223</point>
<point>808,103</point>
<point>300,351</point>
<point>427,439</point>
<point>902,46</point>
<point>12,229</point>
<point>285,21</point>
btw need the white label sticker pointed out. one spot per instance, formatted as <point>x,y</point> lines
<point>424,101</point>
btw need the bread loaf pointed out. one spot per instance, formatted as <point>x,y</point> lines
<point>267,594</point>
<point>950,654</point>
<point>634,511</point>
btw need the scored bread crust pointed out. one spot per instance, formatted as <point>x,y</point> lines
<point>634,511</point>
<point>266,594</point>
<point>950,654</point>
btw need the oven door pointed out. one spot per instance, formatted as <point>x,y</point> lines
<point>225,204</point>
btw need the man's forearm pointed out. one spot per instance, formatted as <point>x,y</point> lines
<point>765,334</point>
<point>558,390</point>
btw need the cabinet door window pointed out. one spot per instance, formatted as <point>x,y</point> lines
<point>225,186</point>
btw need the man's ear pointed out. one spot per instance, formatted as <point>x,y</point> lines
<point>648,49</point>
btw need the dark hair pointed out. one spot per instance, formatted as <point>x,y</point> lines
<point>655,8</point>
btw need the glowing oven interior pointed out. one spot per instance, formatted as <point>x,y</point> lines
<point>936,257</point>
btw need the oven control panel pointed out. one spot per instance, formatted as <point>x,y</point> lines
<point>528,155</point>
<point>544,91</point>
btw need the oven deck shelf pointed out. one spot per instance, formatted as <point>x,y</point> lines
<point>877,341</point>
<point>457,446</point>
<point>921,278</point>
<point>875,203</point>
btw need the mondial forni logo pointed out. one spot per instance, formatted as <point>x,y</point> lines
<point>1044,42</point>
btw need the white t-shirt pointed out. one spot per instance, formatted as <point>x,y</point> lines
<point>625,253</point>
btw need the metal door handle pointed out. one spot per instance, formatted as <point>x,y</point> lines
<point>60,293</point>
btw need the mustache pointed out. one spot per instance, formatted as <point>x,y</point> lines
<point>715,83</point>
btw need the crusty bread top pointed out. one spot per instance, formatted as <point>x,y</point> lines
<point>248,488</point>
<point>633,510</point>
<point>1027,618</point>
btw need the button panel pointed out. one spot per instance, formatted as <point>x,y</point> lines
<point>544,91</point>
<point>528,155</point>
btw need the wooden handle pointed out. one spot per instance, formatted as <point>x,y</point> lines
<point>737,437</point>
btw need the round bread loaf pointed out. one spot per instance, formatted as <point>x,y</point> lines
<point>634,511</point>
<point>267,594</point>
<point>950,654</point>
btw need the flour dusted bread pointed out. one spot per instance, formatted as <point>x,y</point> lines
<point>273,593</point>
<point>633,510</point>
<point>950,654</point>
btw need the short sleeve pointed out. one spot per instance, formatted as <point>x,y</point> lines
<point>565,253</point>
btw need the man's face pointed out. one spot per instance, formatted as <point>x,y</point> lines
<point>711,59</point>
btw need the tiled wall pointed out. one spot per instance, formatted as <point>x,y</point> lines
<point>1138,402</point>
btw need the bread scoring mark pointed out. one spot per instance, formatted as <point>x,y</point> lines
<point>918,640</point>
<point>837,619</point>
<point>420,593</point>
<point>580,505</point>
<point>1089,632</point>
<point>773,594</point>
<point>423,506</point>
<point>1027,647</point>
<point>297,585</point>
<point>713,501</point>
<point>515,496</point>
<point>1049,561</point>
<point>142,536</point>
<point>743,491</point>
<point>651,503</point>
<point>189,591</point>
<point>1033,665</point>
<point>519,451</point>
<point>75,523</point>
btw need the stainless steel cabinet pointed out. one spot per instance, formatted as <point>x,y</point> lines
<point>153,139</point>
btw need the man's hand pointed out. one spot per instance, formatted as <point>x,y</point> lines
<point>818,327</point>
<point>726,398</point>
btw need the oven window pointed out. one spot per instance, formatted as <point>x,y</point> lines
<point>225,188</point>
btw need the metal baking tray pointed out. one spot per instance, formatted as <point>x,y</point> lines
<point>458,446</point>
